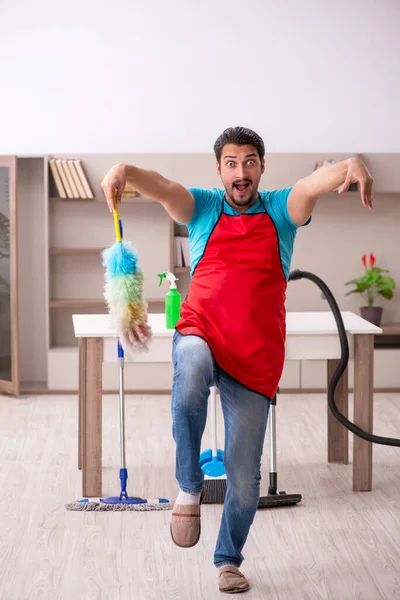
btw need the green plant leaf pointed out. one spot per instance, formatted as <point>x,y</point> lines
<point>357,291</point>
<point>371,282</point>
<point>386,282</point>
<point>374,277</point>
<point>379,270</point>
<point>362,286</point>
<point>352,281</point>
<point>388,294</point>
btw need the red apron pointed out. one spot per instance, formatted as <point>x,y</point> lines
<point>236,300</point>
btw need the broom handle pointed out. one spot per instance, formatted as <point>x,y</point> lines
<point>213,398</point>
<point>121,404</point>
<point>272,438</point>
<point>121,356</point>
<point>118,233</point>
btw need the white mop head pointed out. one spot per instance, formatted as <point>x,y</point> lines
<point>98,505</point>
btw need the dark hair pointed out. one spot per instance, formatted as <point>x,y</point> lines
<point>240,136</point>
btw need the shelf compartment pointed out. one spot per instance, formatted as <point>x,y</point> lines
<point>390,329</point>
<point>102,200</point>
<point>75,251</point>
<point>88,302</point>
<point>389,338</point>
<point>77,303</point>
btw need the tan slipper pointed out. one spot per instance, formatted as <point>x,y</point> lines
<point>232,581</point>
<point>185,525</point>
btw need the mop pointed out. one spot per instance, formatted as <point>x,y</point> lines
<point>123,292</point>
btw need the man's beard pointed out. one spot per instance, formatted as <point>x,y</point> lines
<point>242,202</point>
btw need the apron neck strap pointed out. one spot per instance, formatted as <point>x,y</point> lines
<point>224,199</point>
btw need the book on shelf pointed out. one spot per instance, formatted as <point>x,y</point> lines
<point>178,260</point>
<point>129,191</point>
<point>64,179</point>
<point>82,176</point>
<point>185,251</point>
<point>57,178</point>
<point>70,179</point>
<point>182,251</point>
<point>77,180</point>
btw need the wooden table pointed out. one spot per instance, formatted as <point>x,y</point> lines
<point>309,336</point>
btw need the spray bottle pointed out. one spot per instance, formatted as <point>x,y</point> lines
<point>172,300</point>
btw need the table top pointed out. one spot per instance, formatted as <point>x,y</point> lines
<point>297,323</point>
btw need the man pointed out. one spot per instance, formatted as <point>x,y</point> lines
<point>232,327</point>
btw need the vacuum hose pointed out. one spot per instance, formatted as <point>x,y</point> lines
<point>376,439</point>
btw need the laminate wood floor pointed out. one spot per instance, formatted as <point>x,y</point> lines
<point>335,545</point>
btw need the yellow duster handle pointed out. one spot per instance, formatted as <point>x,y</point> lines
<point>116,219</point>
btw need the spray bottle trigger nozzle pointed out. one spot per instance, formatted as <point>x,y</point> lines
<point>161,276</point>
<point>170,277</point>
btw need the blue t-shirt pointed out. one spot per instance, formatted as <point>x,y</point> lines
<point>207,209</point>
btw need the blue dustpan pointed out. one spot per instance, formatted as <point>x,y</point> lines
<point>213,466</point>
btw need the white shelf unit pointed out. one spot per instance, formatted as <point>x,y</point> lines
<point>60,271</point>
<point>78,232</point>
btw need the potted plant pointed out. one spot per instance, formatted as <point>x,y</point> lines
<point>371,285</point>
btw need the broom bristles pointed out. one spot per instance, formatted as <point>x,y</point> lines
<point>123,292</point>
<point>120,259</point>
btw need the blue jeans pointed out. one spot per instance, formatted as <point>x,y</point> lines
<point>245,416</point>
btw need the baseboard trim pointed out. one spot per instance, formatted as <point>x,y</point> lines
<point>378,390</point>
<point>40,389</point>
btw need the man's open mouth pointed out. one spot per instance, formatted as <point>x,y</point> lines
<point>242,187</point>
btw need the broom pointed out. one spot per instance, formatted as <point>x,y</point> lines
<point>212,461</point>
<point>123,293</point>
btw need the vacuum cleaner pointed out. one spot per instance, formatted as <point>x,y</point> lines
<point>344,359</point>
<point>276,498</point>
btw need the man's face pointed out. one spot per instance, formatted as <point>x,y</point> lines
<point>240,171</point>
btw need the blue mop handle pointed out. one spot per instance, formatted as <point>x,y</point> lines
<point>120,348</point>
<point>121,354</point>
<point>123,475</point>
<point>123,472</point>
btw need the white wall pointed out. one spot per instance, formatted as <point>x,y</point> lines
<point>159,76</point>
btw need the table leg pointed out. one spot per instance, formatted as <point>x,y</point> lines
<point>81,396</point>
<point>338,435</point>
<point>92,420</point>
<point>363,410</point>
